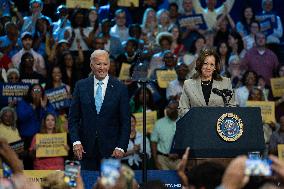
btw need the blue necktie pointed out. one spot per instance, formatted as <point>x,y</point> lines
<point>99,97</point>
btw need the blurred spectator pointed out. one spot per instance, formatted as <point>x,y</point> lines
<point>5,61</point>
<point>223,52</point>
<point>163,19</point>
<point>56,79</point>
<point>174,11</point>
<point>108,12</point>
<point>30,112</point>
<point>243,26</point>
<point>261,84</point>
<point>43,32</point>
<point>279,102</point>
<point>48,126</point>
<point>170,62</point>
<point>27,73</point>
<point>236,44</point>
<point>135,31</point>
<point>136,102</point>
<point>260,59</point>
<point>35,7</point>
<point>112,43</point>
<point>70,68</point>
<point>249,81</point>
<point>161,139</point>
<point>93,26</point>
<point>207,175</point>
<point>62,24</point>
<point>120,30</point>
<point>8,125</point>
<point>255,94</point>
<point>80,31</point>
<point>164,39</point>
<point>130,55</point>
<point>174,89</point>
<point>234,71</point>
<point>210,13</point>
<point>135,147</point>
<point>13,75</point>
<point>150,26</point>
<point>225,24</point>
<point>249,40</point>
<point>10,44</point>
<point>38,65</point>
<point>277,137</point>
<point>267,6</point>
<point>177,47</point>
<point>190,58</point>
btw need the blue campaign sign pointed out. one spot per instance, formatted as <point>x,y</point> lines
<point>192,20</point>
<point>58,97</point>
<point>266,26</point>
<point>12,92</point>
<point>170,178</point>
<point>264,17</point>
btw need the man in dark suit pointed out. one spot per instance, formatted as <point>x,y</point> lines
<point>99,119</point>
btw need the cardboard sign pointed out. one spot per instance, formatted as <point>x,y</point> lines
<point>271,17</point>
<point>151,118</point>
<point>127,3</point>
<point>267,109</point>
<point>51,145</point>
<point>280,148</point>
<point>192,20</point>
<point>277,86</point>
<point>266,26</point>
<point>58,97</point>
<point>164,77</point>
<point>12,92</point>
<point>124,71</point>
<point>85,4</point>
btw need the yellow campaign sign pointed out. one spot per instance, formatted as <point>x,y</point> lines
<point>165,76</point>
<point>124,71</point>
<point>87,4</point>
<point>280,148</point>
<point>267,109</point>
<point>277,86</point>
<point>34,175</point>
<point>151,118</point>
<point>127,3</point>
<point>51,145</point>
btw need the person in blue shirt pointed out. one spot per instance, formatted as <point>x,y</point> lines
<point>10,43</point>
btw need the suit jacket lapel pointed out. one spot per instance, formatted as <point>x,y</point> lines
<point>109,92</point>
<point>212,99</point>
<point>91,92</point>
<point>198,92</point>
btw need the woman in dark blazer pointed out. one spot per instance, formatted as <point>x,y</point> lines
<point>197,91</point>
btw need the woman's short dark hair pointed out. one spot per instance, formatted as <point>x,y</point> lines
<point>200,61</point>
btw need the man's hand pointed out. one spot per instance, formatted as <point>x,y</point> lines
<point>181,168</point>
<point>78,151</point>
<point>118,154</point>
<point>234,176</point>
<point>158,165</point>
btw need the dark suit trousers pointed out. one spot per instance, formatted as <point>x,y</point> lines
<point>92,163</point>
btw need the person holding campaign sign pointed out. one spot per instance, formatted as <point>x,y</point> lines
<point>30,112</point>
<point>48,126</point>
<point>268,13</point>
<point>207,87</point>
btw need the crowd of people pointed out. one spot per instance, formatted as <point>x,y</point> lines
<point>48,51</point>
